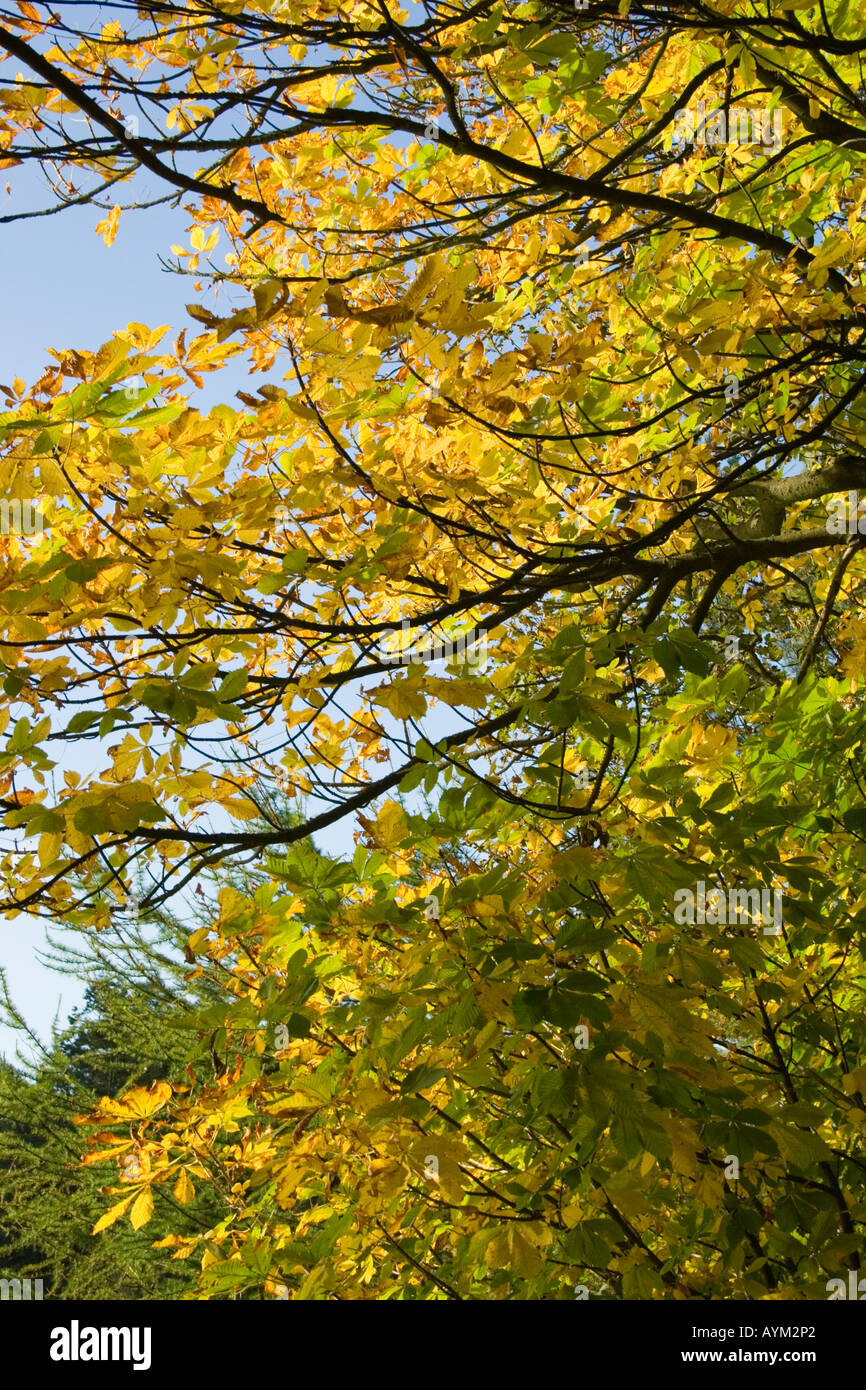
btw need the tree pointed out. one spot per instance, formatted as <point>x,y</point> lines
<point>568,308</point>
<point>134,1029</point>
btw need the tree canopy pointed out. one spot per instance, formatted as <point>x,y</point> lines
<point>557,314</point>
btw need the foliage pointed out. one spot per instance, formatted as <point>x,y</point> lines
<point>133,1028</point>
<point>562,373</point>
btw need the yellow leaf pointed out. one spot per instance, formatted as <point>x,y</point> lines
<point>652,672</point>
<point>401,699</point>
<point>431,270</point>
<point>142,1209</point>
<point>242,810</point>
<point>49,848</point>
<point>471,693</point>
<point>391,825</point>
<point>513,1248</point>
<point>183,1188</point>
<point>109,1217</point>
<point>108,226</point>
<point>139,1102</point>
<point>289,1179</point>
<point>440,1157</point>
<point>710,745</point>
<point>571,1213</point>
<point>51,478</point>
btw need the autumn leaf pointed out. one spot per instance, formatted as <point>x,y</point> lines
<point>518,1249</point>
<point>402,698</point>
<point>109,1217</point>
<point>559,346</point>
<point>183,1188</point>
<point>107,228</point>
<point>142,1209</point>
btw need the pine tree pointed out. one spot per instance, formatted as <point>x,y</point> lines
<point>132,1028</point>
